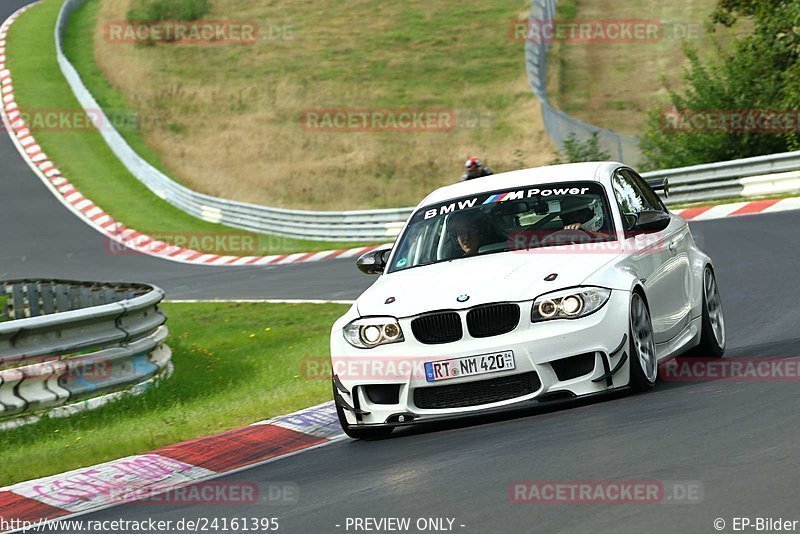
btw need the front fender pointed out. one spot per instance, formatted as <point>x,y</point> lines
<point>617,276</point>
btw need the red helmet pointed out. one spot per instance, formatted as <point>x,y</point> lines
<point>472,163</point>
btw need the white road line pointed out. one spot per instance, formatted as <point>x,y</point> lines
<point>259,301</point>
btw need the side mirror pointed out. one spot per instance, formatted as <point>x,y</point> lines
<point>373,262</point>
<point>650,221</point>
<point>659,184</point>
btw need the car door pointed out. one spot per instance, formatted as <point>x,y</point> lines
<point>678,263</point>
<point>655,257</point>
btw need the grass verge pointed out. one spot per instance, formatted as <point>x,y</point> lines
<point>82,154</point>
<point>243,365</point>
<point>227,119</point>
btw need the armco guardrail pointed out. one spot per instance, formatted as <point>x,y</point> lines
<point>744,177</point>
<point>365,225</point>
<point>750,177</point>
<point>63,342</point>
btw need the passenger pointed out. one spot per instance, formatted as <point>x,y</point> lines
<point>581,215</point>
<point>575,219</point>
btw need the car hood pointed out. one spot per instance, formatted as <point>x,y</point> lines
<point>510,276</point>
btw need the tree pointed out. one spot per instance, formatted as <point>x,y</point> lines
<point>760,73</point>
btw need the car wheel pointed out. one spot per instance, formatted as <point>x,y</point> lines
<point>644,361</point>
<point>712,332</point>
<point>356,432</point>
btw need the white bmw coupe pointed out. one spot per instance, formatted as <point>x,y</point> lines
<point>523,287</point>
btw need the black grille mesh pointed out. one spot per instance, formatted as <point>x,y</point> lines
<point>574,366</point>
<point>476,393</point>
<point>435,328</point>
<point>492,320</point>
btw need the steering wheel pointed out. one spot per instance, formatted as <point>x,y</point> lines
<point>556,237</point>
<point>541,222</point>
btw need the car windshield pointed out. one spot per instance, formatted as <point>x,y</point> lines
<point>501,221</point>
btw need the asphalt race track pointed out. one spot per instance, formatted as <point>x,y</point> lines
<point>42,238</point>
<point>738,440</point>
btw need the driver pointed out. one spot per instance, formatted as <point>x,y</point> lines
<point>467,229</point>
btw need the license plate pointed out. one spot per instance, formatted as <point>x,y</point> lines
<point>469,366</point>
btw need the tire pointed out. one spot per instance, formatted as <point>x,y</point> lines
<point>359,432</point>
<point>643,360</point>
<point>712,332</point>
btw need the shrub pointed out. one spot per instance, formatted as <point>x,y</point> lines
<point>158,10</point>
<point>760,73</point>
<point>576,151</point>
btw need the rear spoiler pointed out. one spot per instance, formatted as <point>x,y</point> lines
<point>659,184</point>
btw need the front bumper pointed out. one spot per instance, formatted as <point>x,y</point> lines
<point>598,344</point>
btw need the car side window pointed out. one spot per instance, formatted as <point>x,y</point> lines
<point>632,197</point>
<point>629,196</point>
<point>647,192</point>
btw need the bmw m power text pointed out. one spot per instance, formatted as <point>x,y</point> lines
<point>523,287</point>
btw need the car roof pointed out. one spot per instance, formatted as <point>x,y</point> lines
<point>569,172</point>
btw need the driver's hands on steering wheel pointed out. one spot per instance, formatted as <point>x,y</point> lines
<point>574,226</point>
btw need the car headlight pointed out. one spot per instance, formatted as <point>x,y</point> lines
<point>373,331</point>
<point>569,303</point>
